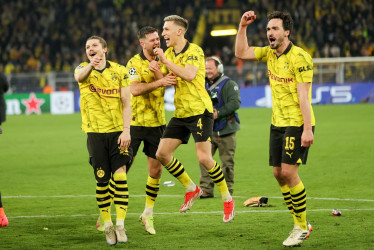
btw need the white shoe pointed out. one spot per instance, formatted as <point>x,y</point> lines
<point>121,234</point>
<point>297,236</point>
<point>110,235</point>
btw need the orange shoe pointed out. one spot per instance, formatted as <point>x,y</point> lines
<point>228,210</point>
<point>190,198</point>
<point>4,221</point>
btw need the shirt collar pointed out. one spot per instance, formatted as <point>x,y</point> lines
<point>141,54</point>
<point>107,65</point>
<point>184,49</point>
<point>286,51</point>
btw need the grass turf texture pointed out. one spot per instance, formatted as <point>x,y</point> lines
<point>46,182</point>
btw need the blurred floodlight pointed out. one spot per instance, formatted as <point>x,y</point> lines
<point>223,30</point>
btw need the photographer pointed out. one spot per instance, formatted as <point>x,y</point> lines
<point>225,96</point>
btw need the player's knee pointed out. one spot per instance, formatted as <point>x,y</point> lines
<point>162,157</point>
<point>206,161</point>
<point>277,172</point>
<point>287,173</point>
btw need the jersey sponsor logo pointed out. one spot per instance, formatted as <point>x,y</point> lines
<point>199,133</point>
<point>194,58</point>
<point>307,68</point>
<point>132,71</point>
<point>104,91</point>
<point>279,79</point>
<point>289,154</point>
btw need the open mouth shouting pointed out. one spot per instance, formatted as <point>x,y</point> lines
<point>92,54</point>
<point>272,41</point>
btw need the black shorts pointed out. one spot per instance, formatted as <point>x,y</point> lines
<point>285,146</point>
<point>201,127</point>
<point>105,156</point>
<point>150,136</point>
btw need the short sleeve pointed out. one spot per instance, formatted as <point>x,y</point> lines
<point>125,77</point>
<point>262,53</point>
<point>195,57</point>
<point>133,70</point>
<point>79,67</point>
<point>303,68</point>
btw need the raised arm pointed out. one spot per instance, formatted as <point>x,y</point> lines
<point>242,49</point>
<point>85,72</point>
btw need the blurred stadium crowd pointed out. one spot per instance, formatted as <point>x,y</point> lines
<point>49,35</point>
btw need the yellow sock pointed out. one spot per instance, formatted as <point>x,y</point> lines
<point>177,170</point>
<point>217,176</point>
<point>112,188</point>
<point>298,196</point>
<point>287,198</point>
<point>103,200</point>
<point>151,191</point>
<point>121,195</point>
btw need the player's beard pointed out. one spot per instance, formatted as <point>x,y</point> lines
<point>151,52</point>
<point>278,42</point>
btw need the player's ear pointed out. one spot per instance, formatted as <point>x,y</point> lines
<point>288,33</point>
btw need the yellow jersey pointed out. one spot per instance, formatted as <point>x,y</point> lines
<point>191,98</point>
<point>100,99</point>
<point>146,110</point>
<point>285,72</point>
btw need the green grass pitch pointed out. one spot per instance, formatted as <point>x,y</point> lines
<point>46,182</point>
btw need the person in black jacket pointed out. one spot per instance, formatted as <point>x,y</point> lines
<point>4,86</point>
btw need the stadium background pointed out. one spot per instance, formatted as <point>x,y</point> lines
<point>43,41</point>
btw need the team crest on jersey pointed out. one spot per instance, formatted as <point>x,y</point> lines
<point>132,71</point>
<point>100,173</point>
<point>114,78</point>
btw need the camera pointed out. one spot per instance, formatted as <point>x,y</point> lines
<point>213,96</point>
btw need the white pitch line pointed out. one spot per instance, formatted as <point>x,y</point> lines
<point>244,197</point>
<point>203,212</point>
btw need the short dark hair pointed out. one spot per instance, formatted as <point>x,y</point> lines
<point>285,17</point>
<point>145,31</point>
<point>178,20</point>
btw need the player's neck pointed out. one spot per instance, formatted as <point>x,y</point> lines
<point>180,45</point>
<point>282,48</point>
<point>102,65</point>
